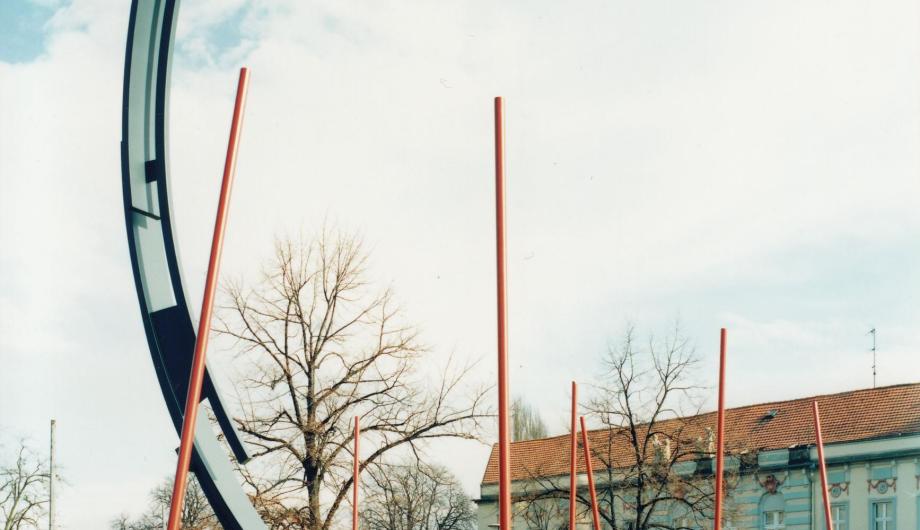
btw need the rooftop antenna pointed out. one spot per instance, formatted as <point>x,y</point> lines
<point>872,332</point>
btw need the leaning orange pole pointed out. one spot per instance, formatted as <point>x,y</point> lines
<point>573,457</point>
<point>819,440</point>
<point>589,469</point>
<point>196,377</point>
<point>504,437</point>
<point>720,435</point>
<point>354,474</point>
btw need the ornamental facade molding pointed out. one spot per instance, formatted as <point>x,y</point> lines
<point>839,488</point>
<point>882,485</point>
<point>770,483</point>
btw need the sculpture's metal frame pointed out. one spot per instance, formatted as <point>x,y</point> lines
<point>155,261</point>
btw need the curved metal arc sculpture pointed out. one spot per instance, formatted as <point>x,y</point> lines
<point>155,262</point>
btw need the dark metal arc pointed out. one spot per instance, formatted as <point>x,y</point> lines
<point>155,262</point>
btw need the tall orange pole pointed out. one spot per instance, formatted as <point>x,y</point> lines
<point>720,435</point>
<point>196,378</point>
<point>355,472</point>
<point>504,436</point>
<point>589,469</point>
<point>819,440</point>
<point>573,457</point>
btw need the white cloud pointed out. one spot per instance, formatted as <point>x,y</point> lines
<point>658,155</point>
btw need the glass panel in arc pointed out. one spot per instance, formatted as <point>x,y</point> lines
<point>151,261</point>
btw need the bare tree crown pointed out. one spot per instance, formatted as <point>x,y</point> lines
<point>647,405</point>
<point>415,496</point>
<point>196,512</point>
<point>323,347</point>
<point>526,423</point>
<point>24,493</point>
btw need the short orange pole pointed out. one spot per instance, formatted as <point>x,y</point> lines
<point>819,441</point>
<point>573,458</point>
<point>196,378</point>
<point>720,435</point>
<point>595,513</point>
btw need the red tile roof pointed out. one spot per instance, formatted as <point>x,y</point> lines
<point>845,417</point>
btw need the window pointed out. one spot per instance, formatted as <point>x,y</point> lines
<point>882,515</point>
<point>839,517</point>
<point>773,520</point>
<point>772,511</point>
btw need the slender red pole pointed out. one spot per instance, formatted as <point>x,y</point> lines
<point>589,469</point>
<point>720,434</point>
<point>820,443</point>
<point>354,474</point>
<point>573,457</point>
<point>204,324</point>
<point>504,437</point>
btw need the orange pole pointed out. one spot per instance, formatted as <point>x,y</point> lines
<point>354,474</point>
<point>573,457</point>
<point>720,435</point>
<point>820,443</point>
<point>504,437</point>
<point>196,376</point>
<point>595,513</point>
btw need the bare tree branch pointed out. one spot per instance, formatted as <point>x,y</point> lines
<point>415,496</point>
<point>23,489</point>
<point>196,512</point>
<point>648,409</point>
<point>323,347</point>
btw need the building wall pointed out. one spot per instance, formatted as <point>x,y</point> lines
<point>859,474</point>
<point>487,514</point>
<point>892,481</point>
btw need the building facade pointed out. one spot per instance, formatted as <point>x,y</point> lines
<point>872,451</point>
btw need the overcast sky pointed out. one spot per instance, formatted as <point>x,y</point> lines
<point>745,164</point>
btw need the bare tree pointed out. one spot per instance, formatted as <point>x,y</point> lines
<point>526,423</point>
<point>196,512</point>
<point>325,347</point>
<point>648,408</point>
<point>415,496</point>
<point>23,490</point>
<point>643,410</point>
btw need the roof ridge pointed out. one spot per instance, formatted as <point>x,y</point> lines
<point>858,414</point>
<point>741,407</point>
<point>536,440</point>
<point>803,398</point>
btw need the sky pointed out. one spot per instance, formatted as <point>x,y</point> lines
<point>740,164</point>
